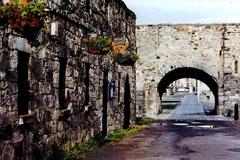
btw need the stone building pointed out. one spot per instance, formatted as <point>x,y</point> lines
<point>188,85</point>
<point>58,93</point>
<point>209,53</point>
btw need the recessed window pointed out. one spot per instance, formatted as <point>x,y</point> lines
<point>236,67</point>
<point>62,85</point>
<point>87,83</point>
<point>87,5</point>
<point>23,83</point>
<point>119,87</point>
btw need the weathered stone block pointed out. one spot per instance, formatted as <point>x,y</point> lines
<point>17,137</point>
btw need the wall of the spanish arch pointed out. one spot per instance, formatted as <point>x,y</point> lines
<point>231,51</point>
<point>163,48</point>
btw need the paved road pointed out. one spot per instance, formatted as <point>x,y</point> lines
<point>201,138</point>
<point>191,109</point>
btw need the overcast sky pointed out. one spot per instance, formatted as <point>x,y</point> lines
<point>185,11</point>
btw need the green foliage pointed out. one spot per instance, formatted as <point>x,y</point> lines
<point>128,59</point>
<point>94,142</point>
<point>3,15</point>
<point>57,153</point>
<point>101,42</point>
<point>147,119</point>
<point>136,129</point>
<point>38,48</point>
<point>169,106</point>
<point>36,8</point>
<point>24,16</point>
<point>118,134</point>
<point>143,120</point>
<point>31,8</point>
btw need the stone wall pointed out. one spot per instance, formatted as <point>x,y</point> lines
<point>163,48</point>
<point>231,50</point>
<point>42,125</point>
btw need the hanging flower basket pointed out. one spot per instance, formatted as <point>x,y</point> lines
<point>25,17</point>
<point>93,49</point>
<point>99,45</point>
<point>128,59</point>
<point>3,16</point>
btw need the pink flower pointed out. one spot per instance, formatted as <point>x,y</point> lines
<point>8,4</point>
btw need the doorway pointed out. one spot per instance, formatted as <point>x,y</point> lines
<point>127,102</point>
<point>105,103</point>
<point>23,83</point>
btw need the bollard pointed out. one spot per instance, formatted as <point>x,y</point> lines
<point>236,112</point>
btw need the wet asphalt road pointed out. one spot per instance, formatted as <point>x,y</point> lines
<point>191,109</point>
<point>201,138</point>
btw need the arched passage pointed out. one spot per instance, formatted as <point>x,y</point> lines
<point>187,72</point>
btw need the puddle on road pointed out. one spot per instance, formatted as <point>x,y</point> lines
<point>194,125</point>
<point>195,122</point>
<point>164,124</point>
<point>202,126</point>
<point>206,126</point>
<point>234,149</point>
<point>157,124</point>
<point>180,124</point>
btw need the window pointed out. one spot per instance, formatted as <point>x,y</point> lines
<point>88,5</point>
<point>87,83</point>
<point>236,67</point>
<point>23,83</point>
<point>62,79</point>
<point>119,87</point>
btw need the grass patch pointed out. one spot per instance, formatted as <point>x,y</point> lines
<point>143,120</point>
<point>58,154</point>
<point>118,134</point>
<point>85,147</point>
<point>169,106</point>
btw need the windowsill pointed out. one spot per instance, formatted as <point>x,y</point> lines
<point>236,74</point>
<point>64,113</point>
<point>26,119</point>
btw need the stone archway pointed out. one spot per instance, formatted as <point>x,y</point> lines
<point>187,72</point>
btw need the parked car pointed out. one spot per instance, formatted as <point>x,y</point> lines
<point>170,90</point>
<point>183,89</point>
